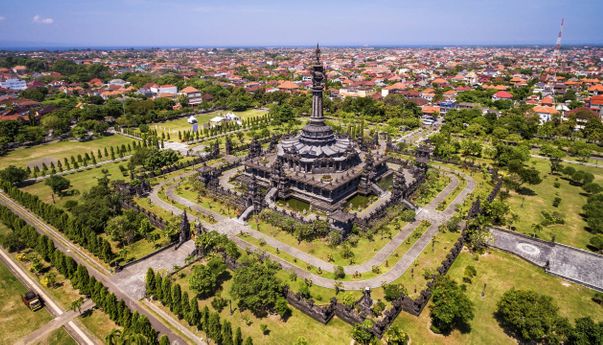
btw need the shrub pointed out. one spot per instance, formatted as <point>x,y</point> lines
<point>339,273</point>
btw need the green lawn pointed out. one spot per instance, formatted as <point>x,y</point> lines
<point>429,259</point>
<point>58,337</point>
<point>528,208</point>
<point>81,181</point>
<point>364,250</point>
<point>281,332</point>
<point>46,153</point>
<point>16,320</point>
<point>173,126</point>
<point>62,293</point>
<point>98,323</point>
<point>500,271</point>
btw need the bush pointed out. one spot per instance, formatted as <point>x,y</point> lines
<point>339,272</point>
<point>556,201</point>
<point>596,242</point>
<point>219,303</point>
<point>393,292</point>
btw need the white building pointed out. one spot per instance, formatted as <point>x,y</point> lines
<point>14,84</point>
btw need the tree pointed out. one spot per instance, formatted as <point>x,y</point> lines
<point>362,334</point>
<point>532,317</point>
<point>58,184</point>
<point>339,273</point>
<point>256,287</point>
<point>238,337</point>
<point>164,340</point>
<point>205,279</point>
<point>393,292</point>
<point>14,175</point>
<point>150,282</point>
<point>77,304</point>
<point>451,307</point>
<point>396,336</point>
<point>586,332</point>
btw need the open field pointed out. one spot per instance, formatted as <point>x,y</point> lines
<point>63,293</point>
<point>281,332</point>
<point>81,181</point>
<point>499,272</point>
<point>46,153</point>
<point>364,250</point>
<point>528,208</point>
<point>98,323</point>
<point>173,126</point>
<point>58,337</point>
<point>16,320</point>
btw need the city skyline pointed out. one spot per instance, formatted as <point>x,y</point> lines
<point>187,23</point>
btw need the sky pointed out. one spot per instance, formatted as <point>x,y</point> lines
<point>220,23</point>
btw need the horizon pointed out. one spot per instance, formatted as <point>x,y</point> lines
<point>268,23</point>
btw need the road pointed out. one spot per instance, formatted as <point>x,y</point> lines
<point>81,336</point>
<point>101,273</point>
<point>234,227</point>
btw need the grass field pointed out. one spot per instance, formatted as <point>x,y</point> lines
<point>528,208</point>
<point>98,323</point>
<point>16,320</point>
<point>63,293</point>
<point>46,153</point>
<point>499,272</point>
<point>281,332</point>
<point>81,181</point>
<point>364,250</point>
<point>58,337</point>
<point>173,126</point>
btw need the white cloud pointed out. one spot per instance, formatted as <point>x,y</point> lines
<point>2,18</point>
<point>39,20</point>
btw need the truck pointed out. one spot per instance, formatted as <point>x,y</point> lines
<point>32,300</point>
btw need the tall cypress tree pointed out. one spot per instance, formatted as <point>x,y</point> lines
<point>175,306</point>
<point>167,292</point>
<point>150,282</point>
<point>238,338</point>
<point>195,314</point>
<point>214,329</point>
<point>226,333</point>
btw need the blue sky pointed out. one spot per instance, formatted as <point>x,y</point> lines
<point>272,22</point>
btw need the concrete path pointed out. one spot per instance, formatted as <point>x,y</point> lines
<point>54,324</point>
<point>77,332</point>
<point>594,165</point>
<point>574,264</point>
<point>100,272</point>
<point>234,227</point>
<point>132,278</point>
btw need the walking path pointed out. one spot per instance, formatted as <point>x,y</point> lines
<point>72,328</point>
<point>595,165</point>
<point>570,263</point>
<point>235,227</point>
<point>132,278</point>
<point>100,272</point>
<point>70,171</point>
<point>54,324</point>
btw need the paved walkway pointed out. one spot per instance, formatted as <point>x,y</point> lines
<point>571,263</point>
<point>51,305</point>
<point>100,272</point>
<point>234,227</point>
<point>54,324</point>
<point>595,165</point>
<point>131,279</point>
